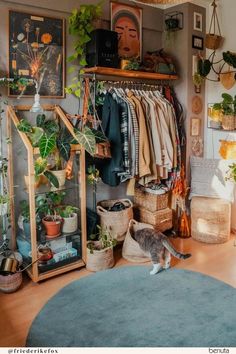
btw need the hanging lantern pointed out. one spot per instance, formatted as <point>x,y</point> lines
<point>214,38</point>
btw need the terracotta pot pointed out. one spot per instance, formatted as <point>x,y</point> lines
<point>53,227</point>
<point>70,224</point>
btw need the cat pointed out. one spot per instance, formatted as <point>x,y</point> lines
<point>159,247</point>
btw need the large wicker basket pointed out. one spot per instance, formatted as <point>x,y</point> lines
<point>149,201</point>
<point>116,222</point>
<point>131,249</point>
<point>210,219</point>
<point>228,122</point>
<point>161,219</point>
<point>10,283</point>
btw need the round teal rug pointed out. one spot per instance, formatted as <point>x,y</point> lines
<point>126,307</point>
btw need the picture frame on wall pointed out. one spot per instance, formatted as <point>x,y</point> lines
<point>195,128</point>
<point>37,52</point>
<point>197,42</point>
<point>126,20</point>
<point>197,21</point>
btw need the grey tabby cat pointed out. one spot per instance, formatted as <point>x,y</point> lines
<point>159,247</point>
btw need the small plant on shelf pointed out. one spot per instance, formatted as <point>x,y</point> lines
<point>70,218</point>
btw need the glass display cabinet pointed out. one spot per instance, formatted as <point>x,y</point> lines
<point>47,186</point>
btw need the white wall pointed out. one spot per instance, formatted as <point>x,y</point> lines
<point>226,10</point>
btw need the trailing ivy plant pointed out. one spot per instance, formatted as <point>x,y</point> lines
<point>80,26</point>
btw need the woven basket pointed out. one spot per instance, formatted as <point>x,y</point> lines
<point>213,41</point>
<point>116,222</point>
<point>149,201</point>
<point>10,283</point>
<point>100,259</point>
<point>131,249</point>
<point>210,219</point>
<point>161,219</point>
<point>228,122</point>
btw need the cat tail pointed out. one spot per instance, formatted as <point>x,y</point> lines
<point>173,251</point>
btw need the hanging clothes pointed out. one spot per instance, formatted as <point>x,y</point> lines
<point>111,128</point>
<point>144,134</point>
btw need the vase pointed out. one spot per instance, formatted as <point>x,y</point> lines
<point>70,224</point>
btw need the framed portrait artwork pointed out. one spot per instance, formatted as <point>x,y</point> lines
<point>126,20</point>
<point>197,42</point>
<point>197,21</point>
<point>37,52</point>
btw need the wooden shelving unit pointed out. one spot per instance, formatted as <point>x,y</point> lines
<point>131,74</point>
<point>36,272</point>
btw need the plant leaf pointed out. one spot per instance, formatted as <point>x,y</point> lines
<point>204,67</point>
<point>47,144</point>
<point>52,178</point>
<point>99,136</point>
<point>87,139</point>
<point>40,120</point>
<point>51,127</point>
<point>24,126</point>
<point>64,149</point>
<point>36,135</point>
<point>40,166</point>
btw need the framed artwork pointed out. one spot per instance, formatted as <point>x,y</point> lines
<point>126,20</point>
<point>197,21</point>
<point>197,42</point>
<point>37,52</point>
<point>197,105</point>
<point>195,128</point>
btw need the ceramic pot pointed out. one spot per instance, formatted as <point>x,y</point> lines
<point>53,227</point>
<point>70,224</point>
<point>61,176</point>
<point>3,209</point>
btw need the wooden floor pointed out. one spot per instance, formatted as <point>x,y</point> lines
<point>18,310</point>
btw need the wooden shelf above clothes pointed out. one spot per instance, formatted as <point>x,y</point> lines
<point>98,70</point>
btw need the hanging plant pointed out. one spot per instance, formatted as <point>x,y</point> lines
<point>204,67</point>
<point>80,26</point>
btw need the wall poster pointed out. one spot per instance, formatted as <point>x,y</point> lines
<point>126,20</point>
<point>37,51</point>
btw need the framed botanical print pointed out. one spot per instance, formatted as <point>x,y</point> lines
<point>197,42</point>
<point>37,52</point>
<point>126,20</point>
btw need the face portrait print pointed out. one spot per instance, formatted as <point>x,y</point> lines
<point>128,37</point>
<point>126,21</point>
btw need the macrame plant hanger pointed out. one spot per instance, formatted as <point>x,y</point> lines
<point>214,38</point>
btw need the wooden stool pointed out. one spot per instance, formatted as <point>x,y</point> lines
<point>210,219</point>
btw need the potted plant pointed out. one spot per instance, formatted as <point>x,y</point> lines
<point>100,253</point>
<point>228,108</point>
<point>70,218</point>
<point>54,148</point>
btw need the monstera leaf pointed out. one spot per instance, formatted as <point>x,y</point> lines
<point>47,144</point>
<point>87,139</point>
<point>204,67</point>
